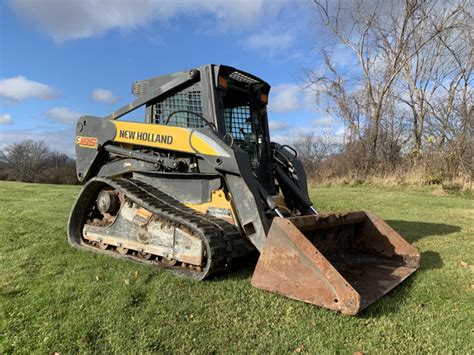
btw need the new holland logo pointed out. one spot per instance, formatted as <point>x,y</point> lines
<point>86,142</point>
<point>146,136</point>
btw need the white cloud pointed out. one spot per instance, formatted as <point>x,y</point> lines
<point>61,140</point>
<point>278,125</point>
<point>269,41</point>
<point>5,118</point>
<point>330,134</point>
<point>104,95</point>
<point>324,121</point>
<point>67,20</point>
<point>285,98</point>
<point>20,88</point>
<point>291,134</point>
<point>63,114</point>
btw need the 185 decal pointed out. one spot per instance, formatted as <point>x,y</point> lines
<point>86,142</point>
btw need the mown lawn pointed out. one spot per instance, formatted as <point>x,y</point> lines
<point>55,298</point>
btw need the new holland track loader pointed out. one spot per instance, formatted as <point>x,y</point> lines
<point>198,183</point>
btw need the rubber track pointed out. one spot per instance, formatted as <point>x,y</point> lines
<point>216,234</point>
<point>233,236</point>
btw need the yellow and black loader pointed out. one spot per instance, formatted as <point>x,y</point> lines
<point>198,183</point>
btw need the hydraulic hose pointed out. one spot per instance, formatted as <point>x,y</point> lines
<point>297,194</point>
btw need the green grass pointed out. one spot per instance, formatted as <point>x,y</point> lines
<point>56,298</point>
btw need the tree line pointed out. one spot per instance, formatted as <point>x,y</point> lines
<point>408,102</point>
<point>33,161</point>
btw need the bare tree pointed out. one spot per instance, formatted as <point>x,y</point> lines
<point>313,150</point>
<point>34,161</point>
<point>451,119</point>
<point>406,53</point>
<point>27,159</point>
<point>434,65</point>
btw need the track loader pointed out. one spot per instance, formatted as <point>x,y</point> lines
<point>198,183</point>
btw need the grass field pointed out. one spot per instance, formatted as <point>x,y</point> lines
<point>55,298</point>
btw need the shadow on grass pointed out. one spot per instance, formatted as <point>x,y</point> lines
<point>240,269</point>
<point>413,231</point>
<point>430,260</point>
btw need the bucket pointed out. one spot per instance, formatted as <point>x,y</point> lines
<point>341,261</point>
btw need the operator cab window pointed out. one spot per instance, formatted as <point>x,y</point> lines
<point>242,122</point>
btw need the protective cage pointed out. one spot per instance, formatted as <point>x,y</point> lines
<point>182,101</point>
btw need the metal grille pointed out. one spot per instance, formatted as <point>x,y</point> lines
<point>190,101</point>
<point>238,121</point>
<point>242,78</point>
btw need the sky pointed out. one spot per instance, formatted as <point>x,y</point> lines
<point>63,59</point>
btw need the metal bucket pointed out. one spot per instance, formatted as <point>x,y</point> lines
<point>343,262</point>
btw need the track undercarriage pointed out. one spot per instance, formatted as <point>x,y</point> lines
<point>129,218</point>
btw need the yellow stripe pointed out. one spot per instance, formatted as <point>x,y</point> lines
<point>161,136</point>
<point>201,146</point>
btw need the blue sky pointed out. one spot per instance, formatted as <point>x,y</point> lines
<point>60,59</point>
